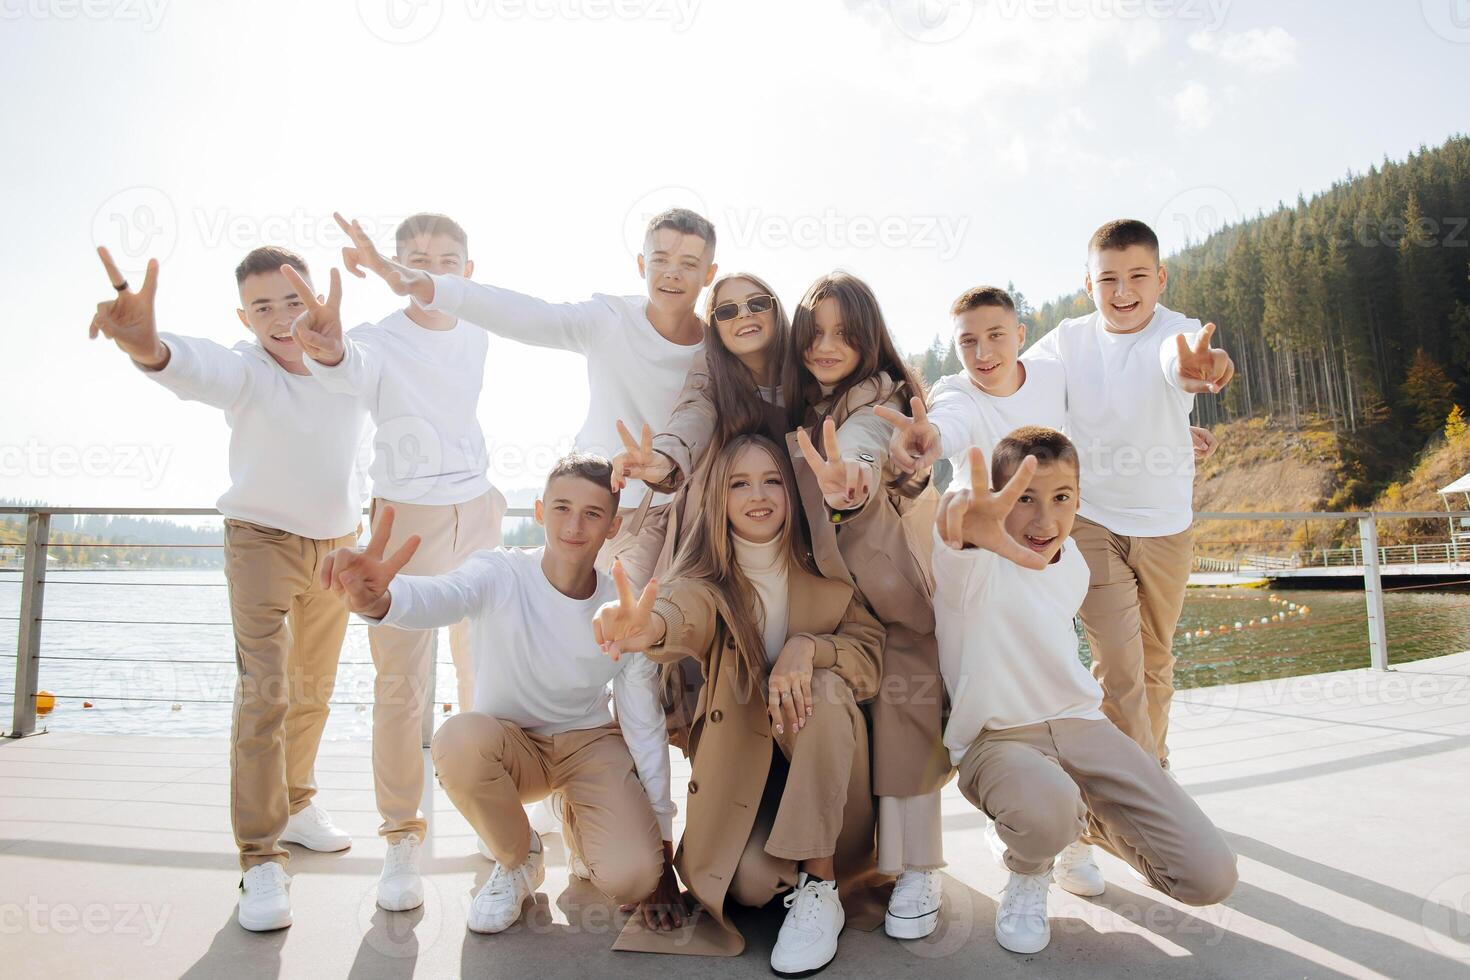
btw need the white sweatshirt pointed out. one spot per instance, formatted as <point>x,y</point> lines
<point>968,416</point>
<point>536,663</point>
<point>1007,646</point>
<point>765,566</point>
<point>294,446</point>
<point>1129,419</point>
<point>634,373</point>
<point>423,388</point>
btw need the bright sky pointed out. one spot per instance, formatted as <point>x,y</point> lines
<point>926,145</point>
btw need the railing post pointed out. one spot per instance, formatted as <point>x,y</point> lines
<point>1373,592</point>
<point>28,643</point>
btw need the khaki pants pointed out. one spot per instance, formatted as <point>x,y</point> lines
<point>491,767</point>
<point>1045,785</point>
<point>288,640</point>
<point>1130,614</point>
<point>404,659</point>
<point>806,794</point>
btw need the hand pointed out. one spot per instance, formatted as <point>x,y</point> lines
<point>1204,441</point>
<point>127,320</point>
<point>664,909</point>
<point>789,688</point>
<point>844,483</point>
<point>363,254</point>
<point>360,576</point>
<point>915,442</point>
<point>976,517</point>
<point>628,625</point>
<point>1202,368</point>
<point>319,328</point>
<point>639,460</point>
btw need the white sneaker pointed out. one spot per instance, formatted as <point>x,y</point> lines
<point>497,906</point>
<point>913,908</point>
<point>997,846</point>
<point>312,828</point>
<point>400,886</point>
<point>808,938</point>
<point>545,816</point>
<point>1021,924</point>
<point>1076,871</point>
<point>265,898</point>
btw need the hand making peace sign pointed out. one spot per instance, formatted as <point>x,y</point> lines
<point>1202,368</point>
<point>127,320</point>
<point>363,254</point>
<point>915,442</point>
<point>976,517</point>
<point>639,460</point>
<point>628,625</point>
<point>319,328</point>
<point>844,483</point>
<point>361,575</point>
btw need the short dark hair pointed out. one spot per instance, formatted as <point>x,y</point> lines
<point>1047,445</point>
<point>269,258</point>
<point>1123,233</point>
<point>685,222</point>
<point>429,223</point>
<point>588,466</point>
<point>979,296</point>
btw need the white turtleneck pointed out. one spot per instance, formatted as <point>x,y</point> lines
<point>765,566</point>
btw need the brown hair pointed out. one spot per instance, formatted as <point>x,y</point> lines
<point>429,223</point>
<point>733,386</point>
<point>867,334</point>
<point>1047,445</point>
<point>588,466</point>
<point>707,554</point>
<point>269,258</point>
<point>979,296</point>
<point>685,222</point>
<point>1123,233</point>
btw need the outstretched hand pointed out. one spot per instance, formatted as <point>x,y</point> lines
<point>360,576</point>
<point>639,460</point>
<point>628,625</point>
<point>844,483</point>
<point>318,329</point>
<point>1204,441</point>
<point>127,320</point>
<point>975,518</point>
<point>915,442</point>
<point>363,254</point>
<point>1203,369</point>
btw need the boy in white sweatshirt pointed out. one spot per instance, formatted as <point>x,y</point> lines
<point>295,495</point>
<point>1026,728</point>
<point>540,723</point>
<point>639,348</point>
<point>420,372</point>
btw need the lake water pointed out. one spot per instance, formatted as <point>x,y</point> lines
<point>174,619</point>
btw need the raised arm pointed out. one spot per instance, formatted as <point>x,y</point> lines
<point>361,576</point>
<point>918,442</point>
<point>975,518</point>
<point>690,427</point>
<point>1194,367</point>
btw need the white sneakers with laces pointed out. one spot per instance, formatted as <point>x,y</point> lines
<point>913,908</point>
<point>312,828</point>
<point>808,938</point>
<point>1076,871</point>
<point>265,898</point>
<point>1021,923</point>
<point>400,886</point>
<point>497,905</point>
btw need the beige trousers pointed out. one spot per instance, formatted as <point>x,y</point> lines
<point>491,767</point>
<point>1130,614</point>
<point>404,659</point>
<point>1048,784</point>
<point>288,640</point>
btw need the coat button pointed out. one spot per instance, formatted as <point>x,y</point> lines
<point>717,715</point>
<point>693,787</point>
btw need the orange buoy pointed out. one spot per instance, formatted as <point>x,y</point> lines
<point>86,704</point>
<point>45,701</point>
<point>446,709</point>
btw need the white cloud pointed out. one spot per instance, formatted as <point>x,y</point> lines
<point>1254,50</point>
<point>1195,106</point>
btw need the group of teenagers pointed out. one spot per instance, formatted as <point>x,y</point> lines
<point>746,557</point>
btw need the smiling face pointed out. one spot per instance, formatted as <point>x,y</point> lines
<point>1043,516</point>
<point>1125,284</point>
<point>988,340</point>
<point>440,254</point>
<point>830,358</point>
<point>578,516</point>
<point>755,496</point>
<point>269,305</point>
<point>676,266</point>
<point>748,334</point>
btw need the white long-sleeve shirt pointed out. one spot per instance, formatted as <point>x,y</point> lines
<point>536,662</point>
<point>294,446</point>
<point>422,387</point>
<point>634,373</point>
<point>1007,646</point>
<point>1129,419</point>
<point>968,416</point>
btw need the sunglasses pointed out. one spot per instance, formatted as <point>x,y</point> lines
<point>755,304</point>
